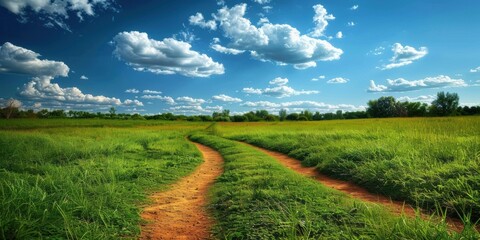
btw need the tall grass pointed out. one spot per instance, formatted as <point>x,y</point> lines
<point>86,182</point>
<point>257,198</point>
<point>427,161</point>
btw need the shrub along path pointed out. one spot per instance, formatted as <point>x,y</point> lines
<point>180,213</point>
<point>397,207</point>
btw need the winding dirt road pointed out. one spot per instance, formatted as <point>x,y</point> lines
<point>351,189</point>
<point>180,213</point>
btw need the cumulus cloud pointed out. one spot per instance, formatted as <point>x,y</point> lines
<point>354,7</point>
<point>195,110</point>
<point>377,51</point>
<point>318,78</point>
<point>42,89</point>
<point>198,20</point>
<point>422,98</point>
<point>190,100</point>
<point>219,48</point>
<point>404,55</point>
<point>166,99</point>
<point>280,43</point>
<point>226,98</point>
<point>56,12</point>
<point>351,24</point>
<point>83,77</point>
<point>250,90</point>
<point>135,102</point>
<point>402,85</point>
<point>339,35</point>
<point>474,70</point>
<point>146,91</point>
<point>18,60</point>
<point>262,1</point>
<point>302,105</point>
<point>338,80</point>
<point>169,56</point>
<point>279,89</point>
<point>132,90</point>
<point>320,19</point>
<point>279,81</point>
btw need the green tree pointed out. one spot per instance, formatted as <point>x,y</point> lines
<point>282,114</point>
<point>445,105</point>
<point>382,107</point>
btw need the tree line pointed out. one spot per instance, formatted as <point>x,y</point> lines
<point>445,104</point>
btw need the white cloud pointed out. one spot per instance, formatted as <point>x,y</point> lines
<point>262,21</point>
<point>132,90</point>
<point>262,1</point>
<point>225,98</point>
<point>219,48</point>
<point>198,20</point>
<point>474,70</point>
<point>423,98</point>
<point>403,56</point>
<point>194,110</point>
<point>354,7</point>
<point>166,99</point>
<point>15,59</point>
<point>279,81</point>
<point>129,102</point>
<point>55,12</point>
<point>320,19</point>
<point>338,80</point>
<point>351,24</point>
<point>278,43</point>
<point>280,89</point>
<point>306,65</point>
<point>318,78</point>
<point>42,89</point>
<point>10,103</point>
<point>146,91</point>
<point>83,77</point>
<point>302,105</point>
<point>339,35</point>
<point>190,100</point>
<point>402,85</point>
<point>169,56</point>
<point>250,90</point>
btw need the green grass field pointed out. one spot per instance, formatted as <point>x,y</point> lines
<point>88,179</point>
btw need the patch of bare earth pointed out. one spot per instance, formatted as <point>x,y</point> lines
<point>397,207</point>
<point>180,213</point>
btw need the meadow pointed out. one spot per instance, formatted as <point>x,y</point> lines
<point>89,179</point>
<point>433,163</point>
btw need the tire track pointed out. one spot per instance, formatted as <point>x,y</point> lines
<point>180,213</point>
<point>397,207</point>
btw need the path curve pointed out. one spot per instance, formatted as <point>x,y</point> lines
<point>180,213</point>
<point>397,207</point>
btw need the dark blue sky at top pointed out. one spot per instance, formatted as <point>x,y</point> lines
<point>449,30</point>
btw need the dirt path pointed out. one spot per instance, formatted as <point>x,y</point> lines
<point>351,189</point>
<point>180,213</point>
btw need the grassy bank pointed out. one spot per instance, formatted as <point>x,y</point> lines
<point>73,179</point>
<point>257,198</point>
<point>430,162</point>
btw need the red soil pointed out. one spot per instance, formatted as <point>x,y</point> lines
<point>180,213</point>
<point>353,190</point>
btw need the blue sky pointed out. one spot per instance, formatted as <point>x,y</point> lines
<point>196,57</point>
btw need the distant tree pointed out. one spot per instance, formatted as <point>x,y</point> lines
<point>339,114</point>
<point>10,108</point>
<point>112,112</point>
<point>292,117</point>
<point>317,116</point>
<point>382,107</point>
<point>416,109</point>
<point>282,114</point>
<point>445,104</point>
<point>262,114</point>
<point>305,114</point>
